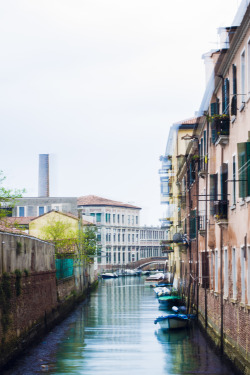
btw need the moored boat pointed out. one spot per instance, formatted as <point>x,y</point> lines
<point>169,301</point>
<point>172,321</point>
<point>109,275</point>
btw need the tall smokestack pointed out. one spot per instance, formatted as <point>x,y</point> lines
<point>43,181</point>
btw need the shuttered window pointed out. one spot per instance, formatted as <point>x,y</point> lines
<point>234,97</point>
<point>244,169</point>
<point>192,224</point>
<point>225,96</point>
<point>223,182</point>
<point>214,110</point>
<point>213,191</point>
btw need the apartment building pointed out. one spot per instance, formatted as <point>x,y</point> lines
<point>121,240</point>
<point>213,183</point>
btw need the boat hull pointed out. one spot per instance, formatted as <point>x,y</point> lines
<point>172,321</point>
<point>109,276</point>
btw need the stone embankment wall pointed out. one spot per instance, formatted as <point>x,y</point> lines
<point>235,327</point>
<point>31,302</point>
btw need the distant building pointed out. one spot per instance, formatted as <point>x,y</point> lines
<point>43,179</point>
<point>121,240</point>
<point>36,206</point>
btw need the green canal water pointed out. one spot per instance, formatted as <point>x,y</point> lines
<point>114,334</point>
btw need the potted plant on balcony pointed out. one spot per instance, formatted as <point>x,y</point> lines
<point>196,158</point>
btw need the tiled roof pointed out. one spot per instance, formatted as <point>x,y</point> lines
<point>4,228</point>
<point>19,220</point>
<point>84,222</point>
<point>190,121</point>
<point>93,200</point>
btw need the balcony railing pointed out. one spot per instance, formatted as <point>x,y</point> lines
<point>220,129</point>
<point>220,210</point>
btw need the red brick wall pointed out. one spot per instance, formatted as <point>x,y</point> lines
<point>37,300</point>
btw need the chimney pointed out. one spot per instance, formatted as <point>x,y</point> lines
<point>43,180</point>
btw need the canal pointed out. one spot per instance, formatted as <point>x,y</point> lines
<point>114,333</point>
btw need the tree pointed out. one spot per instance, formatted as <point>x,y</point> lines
<point>86,243</point>
<point>61,234</point>
<point>82,241</point>
<point>8,198</point>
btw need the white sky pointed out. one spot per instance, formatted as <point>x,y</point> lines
<point>98,83</point>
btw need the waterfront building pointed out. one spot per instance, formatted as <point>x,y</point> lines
<point>121,240</point>
<point>213,181</point>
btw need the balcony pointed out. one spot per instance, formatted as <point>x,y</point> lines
<point>220,130</point>
<point>220,210</point>
<point>167,246</point>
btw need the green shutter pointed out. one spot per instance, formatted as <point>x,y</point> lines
<point>213,107</point>
<point>213,191</point>
<point>242,169</point>
<point>192,224</point>
<point>248,167</point>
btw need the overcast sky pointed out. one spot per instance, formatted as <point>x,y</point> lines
<point>98,83</point>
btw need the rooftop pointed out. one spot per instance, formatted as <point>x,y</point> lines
<point>93,200</point>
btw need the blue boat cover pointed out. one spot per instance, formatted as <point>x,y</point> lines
<point>171,316</point>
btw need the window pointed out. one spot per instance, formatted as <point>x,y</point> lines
<point>212,270</point>
<point>133,238</point>
<point>234,96</point>
<point>119,237</point>
<point>234,274</point>
<point>128,219</point>
<point>243,76</point>
<point>216,270</point>
<point>123,237</point>
<point>128,237</point>
<point>21,211</point>
<point>213,191</point>
<point>225,272</point>
<point>118,219</point>
<point>192,224</point>
<point>108,218</point>
<point>122,219</point>
<point>98,217</point>
<point>242,263</point>
<point>99,236</point>
<point>234,181</point>
<point>132,219</point>
<point>244,169</point>
<point>40,211</point>
<point>225,97</point>
<point>113,218</point>
<point>136,220</point>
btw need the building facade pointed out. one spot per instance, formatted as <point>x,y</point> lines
<point>121,240</point>
<point>213,182</point>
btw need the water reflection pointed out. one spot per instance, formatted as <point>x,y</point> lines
<point>114,334</point>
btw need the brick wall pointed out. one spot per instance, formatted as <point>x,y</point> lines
<point>27,312</point>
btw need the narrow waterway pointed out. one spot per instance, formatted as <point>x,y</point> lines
<point>114,333</point>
